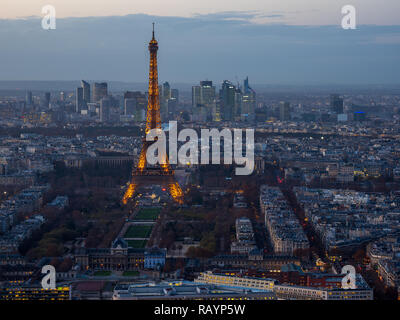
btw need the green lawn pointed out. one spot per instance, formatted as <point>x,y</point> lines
<point>137,244</point>
<point>138,232</point>
<point>102,273</point>
<point>148,214</point>
<point>130,273</point>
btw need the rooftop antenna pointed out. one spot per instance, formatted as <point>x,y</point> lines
<point>153,30</point>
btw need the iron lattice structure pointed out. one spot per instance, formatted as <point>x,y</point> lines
<point>143,174</point>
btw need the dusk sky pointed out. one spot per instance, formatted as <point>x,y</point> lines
<point>272,42</point>
<point>299,12</point>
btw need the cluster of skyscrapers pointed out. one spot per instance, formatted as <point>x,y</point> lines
<point>87,102</point>
<point>95,99</point>
<point>233,103</point>
<point>230,103</point>
<point>44,101</point>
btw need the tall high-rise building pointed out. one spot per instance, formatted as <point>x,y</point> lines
<point>284,111</point>
<point>246,87</point>
<point>133,108</point>
<point>82,98</point>
<point>99,91</point>
<point>165,95</point>
<point>79,102</point>
<point>105,106</point>
<point>207,93</point>
<point>248,102</point>
<point>203,95</point>
<point>46,100</point>
<point>175,94</point>
<point>237,110</point>
<point>129,106</point>
<point>166,90</point>
<point>135,104</point>
<point>204,100</point>
<point>336,103</point>
<point>86,91</point>
<point>172,105</point>
<point>196,98</point>
<point>28,98</point>
<point>227,101</point>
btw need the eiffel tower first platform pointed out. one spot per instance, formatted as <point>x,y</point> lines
<point>143,174</point>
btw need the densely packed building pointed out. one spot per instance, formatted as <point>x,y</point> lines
<point>344,217</point>
<point>244,237</point>
<point>384,255</point>
<point>284,230</point>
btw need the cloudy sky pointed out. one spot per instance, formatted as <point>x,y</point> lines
<point>303,12</point>
<point>273,42</point>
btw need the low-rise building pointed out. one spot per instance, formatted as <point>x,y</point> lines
<point>185,290</point>
<point>284,230</point>
<point>232,280</point>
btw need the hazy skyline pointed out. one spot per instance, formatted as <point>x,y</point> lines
<point>293,12</point>
<point>215,46</point>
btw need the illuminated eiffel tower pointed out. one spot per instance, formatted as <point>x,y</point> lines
<point>143,174</point>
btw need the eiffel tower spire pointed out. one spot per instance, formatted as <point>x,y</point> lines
<point>163,174</point>
<point>153,120</point>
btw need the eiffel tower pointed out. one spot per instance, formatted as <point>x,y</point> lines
<point>143,173</point>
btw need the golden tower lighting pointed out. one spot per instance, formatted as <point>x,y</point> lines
<point>142,174</point>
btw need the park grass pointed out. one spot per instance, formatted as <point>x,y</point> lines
<point>148,214</point>
<point>137,231</point>
<point>137,244</point>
